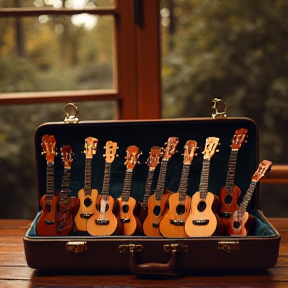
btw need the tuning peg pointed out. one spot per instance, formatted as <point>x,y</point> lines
<point>217,150</point>
<point>116,155</point>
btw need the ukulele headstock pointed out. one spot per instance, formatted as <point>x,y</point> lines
<point>210,147</point>
<point>90,147</point>
<point>67,156</point>
<point>155,154</point>
<point>110,151</point>
<point>263,169</point>
<point>48,146</point>
<point>132,157</point>
<point>239,138</point>
<point>189,151</point>
<point>170,147</point>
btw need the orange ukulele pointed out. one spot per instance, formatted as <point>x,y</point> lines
<point>157,202</point>
<point>239,222</point>
<point>67,207</point>
<point>201,220</point>
<point>127,204</point>
<point>230,194</point>
<point>104,222</point>
<point>46,223</point>
<point>87,196</point>
<point>156,153</point>
<point>172,224</point>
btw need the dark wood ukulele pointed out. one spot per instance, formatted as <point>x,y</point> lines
<point>157,202</point>
<point>230,194</point>
<point>240,221</point>
<point>173,223</point>
<point>104,222</point>
<point>201,220</point>
<point>127,204</point>
<point>87,195</point>
<point>46,224</point>
<point>155,154</point>
<point>67,207</point>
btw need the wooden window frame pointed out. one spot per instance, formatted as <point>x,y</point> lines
<point>137,77</point>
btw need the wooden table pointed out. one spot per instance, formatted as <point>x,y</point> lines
<point>14,271</point>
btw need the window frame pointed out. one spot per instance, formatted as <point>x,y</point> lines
<point>137,65</point>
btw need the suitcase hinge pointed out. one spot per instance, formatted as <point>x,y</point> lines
<point>76,247</point>
<point>132,248</point>
<point>228,246</point>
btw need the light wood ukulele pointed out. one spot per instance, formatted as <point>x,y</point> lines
<point>127,204</point>
<point>173,223</point>
<point>87,196</point>
<point>157,202</point>
<point>104,222</point>
<point>239,222</point>
<point>67,207</point>
<point>46,223</point>
<point>230,194</point>
<point>155,154</point>
<point>201,220</point>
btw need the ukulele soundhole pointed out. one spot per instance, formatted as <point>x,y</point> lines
<point>236,224</point>
<point>201,206</point>
<point>87,202</point>
<point>180,209</point>
<point>125,208</point>
<point>157,210</point>
<point>228,199</point>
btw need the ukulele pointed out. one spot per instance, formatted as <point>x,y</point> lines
<point>239,222</point>
<point>87,196</point>
<point>104,222</point>
<point>67,207</point>
<point>201,220</point>
<point>46,223</point>
<point>155,154</point>
<point>172,224</point>
<point>230,194</point>
<point>157,202</point>
<point>127,204</point>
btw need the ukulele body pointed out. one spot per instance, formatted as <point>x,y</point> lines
<point>237,224</point>
<point>87,208</point>
<point>201,223</point>
<point>173,223</point>
<point>103,222</point>
<point>156,210</point>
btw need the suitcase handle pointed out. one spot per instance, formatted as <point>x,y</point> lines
<point>152,267</point>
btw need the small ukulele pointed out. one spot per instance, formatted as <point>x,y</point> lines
<point>155,154</point>
<point>87,196</point>
<point>46,223</point>
<point>239,222</point>
<point>172,224</point>
<point>127,204</point>
<point>104,222</point>
<point>157,202</point>
<point>230,194</point>
<point>201,220</point>
<point>67,207</point>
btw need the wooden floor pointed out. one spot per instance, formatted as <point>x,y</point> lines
<point>15,273</point>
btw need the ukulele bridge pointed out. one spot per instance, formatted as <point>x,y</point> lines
<point>200,222</point>
<point>177,222</point>
<point>85,215</point>
<point>102,222</point>
<point>125,220</point>
<point>225,215</point>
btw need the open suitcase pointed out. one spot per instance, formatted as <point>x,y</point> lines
<point>73,172</point>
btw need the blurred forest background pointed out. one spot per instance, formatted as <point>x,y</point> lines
<point>234,50</point>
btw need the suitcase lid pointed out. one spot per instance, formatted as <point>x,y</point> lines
<point>145,134</point>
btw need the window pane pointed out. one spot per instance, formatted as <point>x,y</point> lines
<point>56,53</point>
<point>234,50</point>
<point>76,4</point>
<point>18,174</point>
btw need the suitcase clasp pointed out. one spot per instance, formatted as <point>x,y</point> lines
<point>76,247</point>
<point>228,246</point>
<point>175,248</point>
<point>132,248</point>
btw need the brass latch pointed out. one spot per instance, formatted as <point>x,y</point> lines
<point>131,247</point>
<point>228,246</point>
<point>76,247</point>
<point>175,248</point>
<point>71,113</point>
